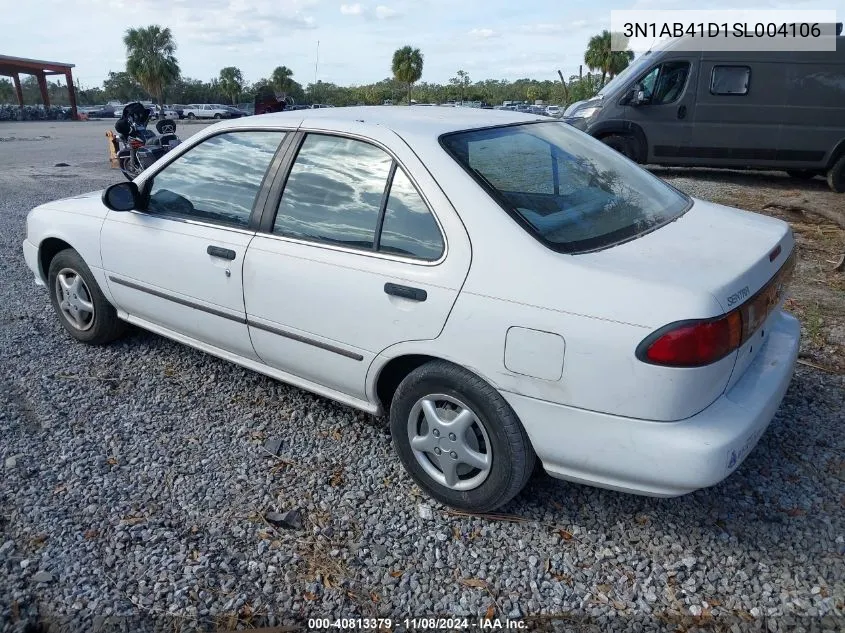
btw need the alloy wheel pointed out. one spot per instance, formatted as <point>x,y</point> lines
<point>450,442</point>
<point>74,299</point>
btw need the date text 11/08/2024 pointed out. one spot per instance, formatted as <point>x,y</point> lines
<point>416,624</point>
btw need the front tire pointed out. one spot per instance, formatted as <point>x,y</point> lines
<point>129,168</point>
<point>217,116</point>
<point>79,303</point>
<point>459,439</point>
<point>192,116</point>
<point>836,176</point>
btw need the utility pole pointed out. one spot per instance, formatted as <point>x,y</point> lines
<point>316,66</point>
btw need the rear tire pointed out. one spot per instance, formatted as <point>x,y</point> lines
<point>192,116</point>
<point>217,116</point>
<point>836,176</point>
<point>802,174</point>
<point>476,466</point>
<point>625,145</point>
<point>83,310</point>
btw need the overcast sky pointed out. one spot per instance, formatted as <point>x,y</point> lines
<point>500,39</point>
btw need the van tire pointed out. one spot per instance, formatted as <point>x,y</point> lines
<point>625,145</point>
<point>836,176</point>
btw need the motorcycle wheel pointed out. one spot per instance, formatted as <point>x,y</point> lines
<point>130,168</point>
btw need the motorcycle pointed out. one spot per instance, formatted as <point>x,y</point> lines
<point>140,146</point>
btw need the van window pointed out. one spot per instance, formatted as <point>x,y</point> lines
<point>665,83</point>
<point>730,80</point>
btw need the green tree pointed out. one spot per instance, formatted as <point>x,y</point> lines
<point>461,81</point>
<point>407,66</point>
<point>150,60</point>
<point>281,79</point>
<point>123,87</point>
<point>231,82</point>
<point>599,56</point>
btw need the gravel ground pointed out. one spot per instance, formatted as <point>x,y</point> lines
<point>137,477</point>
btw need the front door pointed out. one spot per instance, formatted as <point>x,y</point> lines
<point>666,111</point>
<point>178,263</point>
<point>360,253</point>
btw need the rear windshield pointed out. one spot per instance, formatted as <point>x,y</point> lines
<point>570,191</point>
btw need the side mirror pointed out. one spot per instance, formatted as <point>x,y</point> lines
<point>124,196</point>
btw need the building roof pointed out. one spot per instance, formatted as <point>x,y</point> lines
<point>23,65</point>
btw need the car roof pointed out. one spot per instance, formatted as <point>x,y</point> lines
<point>426,121</point>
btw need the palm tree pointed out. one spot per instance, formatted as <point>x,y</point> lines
<point>281,78</point>
<point>150,60</point>
<point>231,82</point>
<point>601,56</point>
<point>407,66</point>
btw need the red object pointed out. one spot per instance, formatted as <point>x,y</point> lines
<point>693,344</point>
<point>700,342</point>
<point>135,143</point>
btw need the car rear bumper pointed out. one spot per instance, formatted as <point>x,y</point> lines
<point>665,459</point>
<point>30,255</point>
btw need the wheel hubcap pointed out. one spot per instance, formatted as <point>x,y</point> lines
<point>450,442</point>
<point>74,299</point>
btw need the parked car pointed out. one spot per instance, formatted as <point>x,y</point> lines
<point>206,111</point>
<point>553,110</point>
<point>98,111</point>
<point>632,337</point>
<point>234,113</point>
<point>743,109</point>
<point>179,109</point>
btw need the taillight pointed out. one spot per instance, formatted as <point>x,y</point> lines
<point>693,343</point>
<point>700,342</point>
<point>135,143</point>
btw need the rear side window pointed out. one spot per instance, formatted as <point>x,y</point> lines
<point>350,193</point>
<point>730,80</point>
<point>570,191</point>
<point>334,192</point>
<point>409,229</point>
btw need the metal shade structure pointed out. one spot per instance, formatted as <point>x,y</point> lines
<point>15,66</point>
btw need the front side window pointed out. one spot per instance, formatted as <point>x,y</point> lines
<point>570,191</point>
<point>730,80</point>
<point>217,180</point>
<point>665,83</point>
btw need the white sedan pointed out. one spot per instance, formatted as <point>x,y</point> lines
<point>506,287</point>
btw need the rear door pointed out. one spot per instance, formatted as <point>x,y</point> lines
<point>359,252</point>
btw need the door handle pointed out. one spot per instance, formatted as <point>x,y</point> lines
<point>406,292</point>
<point>222,253</point>
<point>682,112</point>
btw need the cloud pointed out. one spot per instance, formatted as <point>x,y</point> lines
<point>483,34</point>
<point>385,13</point>
<point>351,9</point>
<point>545,29</point>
